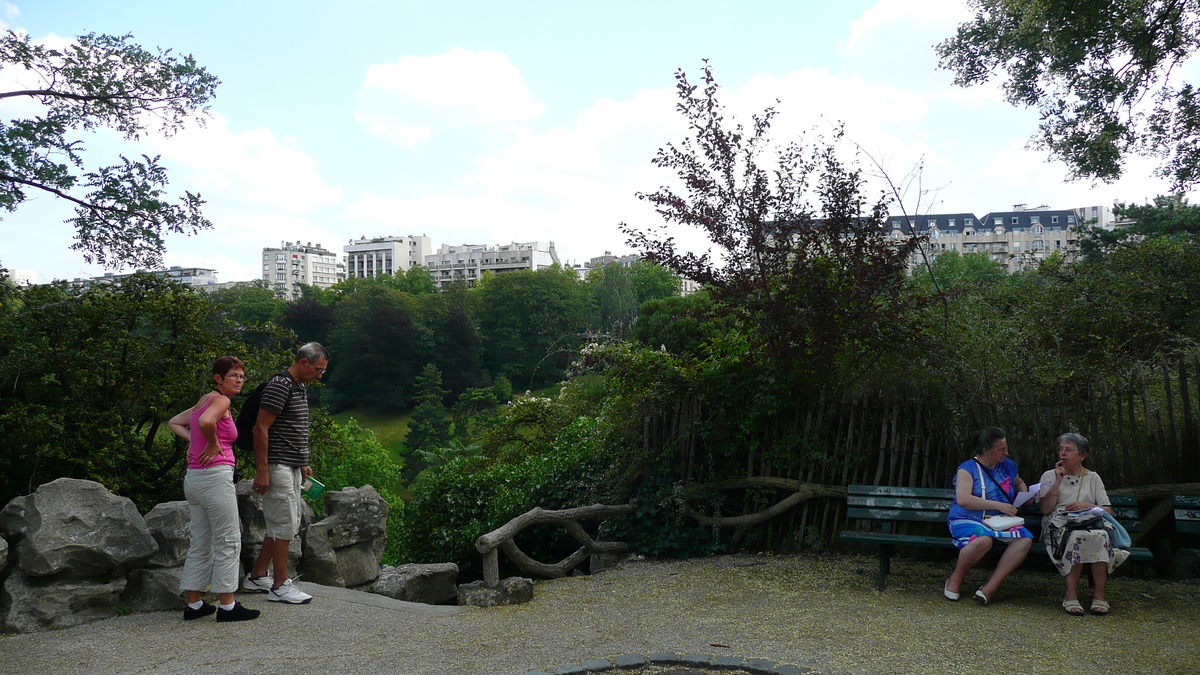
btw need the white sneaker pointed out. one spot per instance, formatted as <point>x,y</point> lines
<point>260,585</point>
<point>287,592</point>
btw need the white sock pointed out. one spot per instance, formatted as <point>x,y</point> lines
<point>229,606</point>
<point>196,605</point>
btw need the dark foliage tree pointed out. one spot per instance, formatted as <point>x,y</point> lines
<point>379,345</point>
<point>458,347</point>
<point>310,317</point>
<point>1105,77</point>
<point>101,81</point>
<point>815,286</point>
<point>429,428</point>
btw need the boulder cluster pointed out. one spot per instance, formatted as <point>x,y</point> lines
<point>73,552</point>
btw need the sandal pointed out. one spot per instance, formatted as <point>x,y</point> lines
<point>1073,607</point>
<point>980,597</point>
<point>1100,607</point>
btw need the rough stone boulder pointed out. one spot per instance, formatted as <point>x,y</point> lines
<point>76,529</point>
<point>153,590</point>
<point>344,548</point>
<point>170,525</point>
<point>512,591</point>
<point>431,584</point>
<point>254,526</point>
<point>3,553</point>
<point>32,604</point>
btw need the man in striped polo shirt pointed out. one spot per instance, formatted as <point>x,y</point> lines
<point>281,464</point>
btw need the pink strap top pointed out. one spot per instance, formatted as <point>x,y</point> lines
<point>226,435</point>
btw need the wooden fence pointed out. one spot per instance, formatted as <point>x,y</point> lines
<point>1142,428</point>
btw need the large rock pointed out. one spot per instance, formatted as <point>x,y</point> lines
<point>359,563</point>
<point>320,562</point>
<point>344,548</point>
<point>3,553</point>
<point>357,514</point>
<point>76,529</point>
<point>31,605</point>
<point>170,525</point>
<point>153,590</point>
<point>431,584</point>
<point>512,591</point>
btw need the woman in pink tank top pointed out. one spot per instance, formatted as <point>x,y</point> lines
<point>212,558</point>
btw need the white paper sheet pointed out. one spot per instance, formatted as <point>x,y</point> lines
<point>1023,497</point>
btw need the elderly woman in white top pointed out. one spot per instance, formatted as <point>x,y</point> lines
<point>1073,536</point>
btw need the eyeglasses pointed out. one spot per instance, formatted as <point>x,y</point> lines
<point>239,378</point>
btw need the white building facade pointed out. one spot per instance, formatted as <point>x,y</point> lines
<point>469,262</point>
<point>385,255</point>
<point>1018,239</point>
<point>294,263</point>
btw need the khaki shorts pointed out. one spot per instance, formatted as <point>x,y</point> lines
<point>281,503</point>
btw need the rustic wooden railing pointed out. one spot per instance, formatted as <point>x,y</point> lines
<point>502,539</point>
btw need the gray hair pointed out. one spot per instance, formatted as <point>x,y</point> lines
<point>1080,442</point>
<point>312,351</point>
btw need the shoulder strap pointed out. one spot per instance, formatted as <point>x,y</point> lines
<point>989,475</point>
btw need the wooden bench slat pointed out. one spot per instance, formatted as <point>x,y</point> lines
<point>1187,502</point>
<point>887,491</point>
<point>899,503</point>
<point>897,514</point>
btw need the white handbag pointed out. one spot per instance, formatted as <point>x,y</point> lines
<point>1002,523</point>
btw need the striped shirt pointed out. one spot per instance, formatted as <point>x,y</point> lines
<point>288,436</point>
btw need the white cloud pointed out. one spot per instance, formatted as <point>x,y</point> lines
<point>11,11</point>
<point>252,165</point>
<point>878,23</point>
<point>409,99</point>
<point>570,185</point>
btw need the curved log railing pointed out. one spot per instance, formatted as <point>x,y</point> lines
<point>502,539</point>
<point>801,492</point>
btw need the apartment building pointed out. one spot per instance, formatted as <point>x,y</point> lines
<point>385,255</point>
<point>200,278</point>
<point>469,262</point>
<point>294,263</point>
<point>1017,239</point>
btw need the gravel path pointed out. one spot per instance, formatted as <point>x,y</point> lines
<point>816,611</point>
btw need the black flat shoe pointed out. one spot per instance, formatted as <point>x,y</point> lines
<point>238,613</point>
<point>205,609</point>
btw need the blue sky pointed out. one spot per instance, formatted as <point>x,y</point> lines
<point>489,122</point>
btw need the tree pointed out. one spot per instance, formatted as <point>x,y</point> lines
<point>531,322</point>
<point>458,347</point>
<point>652,281</point>
<point>121,210</point>
<point>811,285</point>
<point>1088,67</point>
<point>679,324</point>
<point>253,303</point>
<point>429,428</point>
<point>616,302</point>
<point>310,317</point>
<point>1171,217</point>
<point>89,377</point>
<point>380,344</point>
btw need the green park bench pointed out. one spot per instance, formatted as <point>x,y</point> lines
<point>1187,514</point>
<point>891,507</point>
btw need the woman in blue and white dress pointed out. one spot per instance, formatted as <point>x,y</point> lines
<point>985,485</point>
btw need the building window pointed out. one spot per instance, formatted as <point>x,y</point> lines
<point>951,222</point>
<point>998,221</point>
<point>1038,229</point>
<point>1016,220</point>
<point>1035,219</point>
<point>1053,220</point>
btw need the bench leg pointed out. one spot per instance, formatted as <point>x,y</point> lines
<point>885,564</point>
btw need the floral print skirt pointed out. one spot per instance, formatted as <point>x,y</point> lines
<point>1085,547</point>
